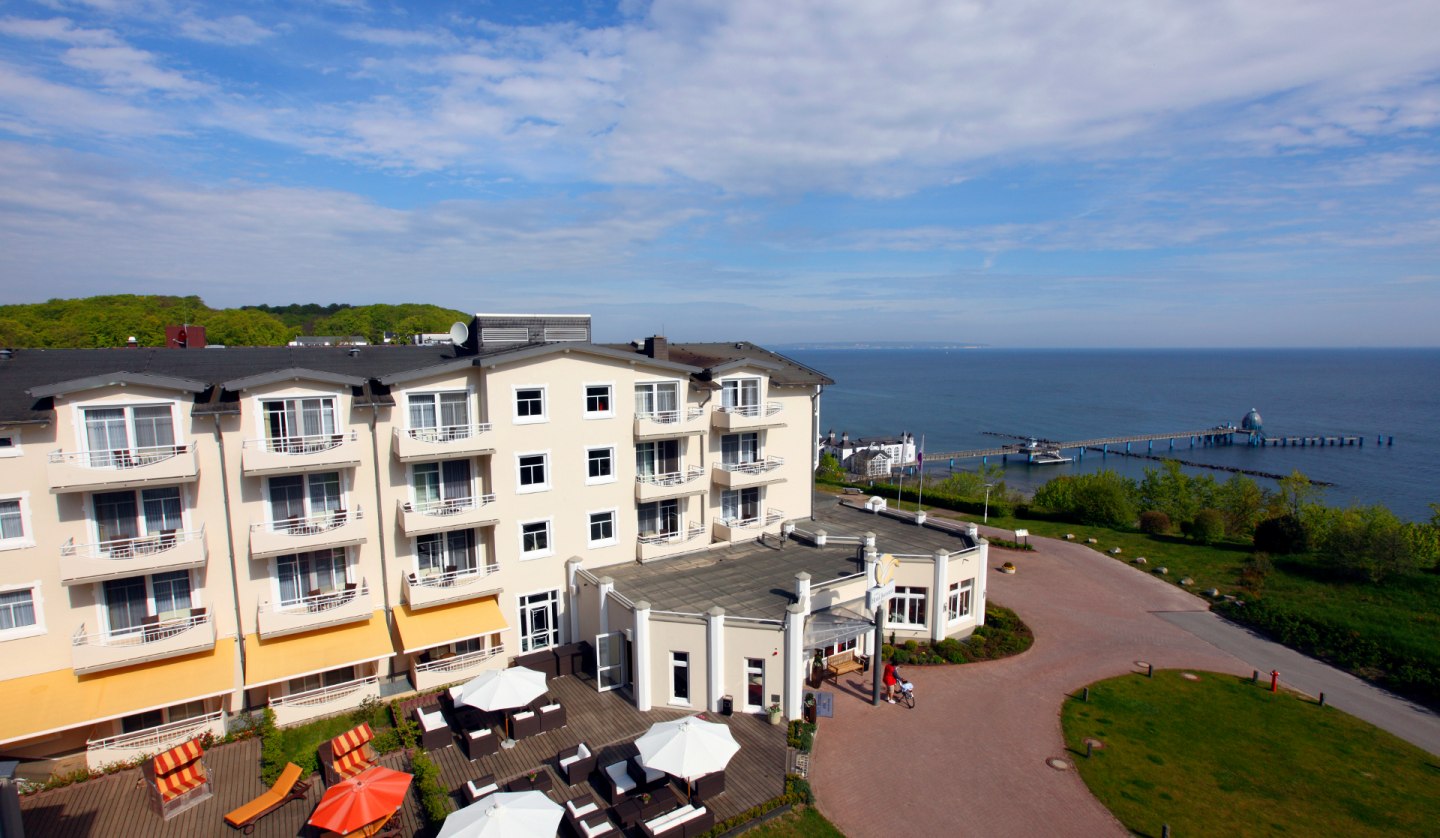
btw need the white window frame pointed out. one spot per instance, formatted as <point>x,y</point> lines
<point>605,478</point>
<point>37,601</point>
<point>522,488</point>
<point>749,670</point>
<point>544,415</point>
<point>908,593</point>
<point>14,449</point>
<point>27,535</point>
<point>523,606</point>
<point>177,429</point>
<point>548,549</point>
<point>952,602</point>
<point>614,528</point>
<point>585,399</point>
<point>337,408</point>
<point>739,387</point>
<point>654,385</point>
<point>433,396</point>
<point>675,664</point>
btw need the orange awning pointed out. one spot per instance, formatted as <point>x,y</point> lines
<point>293,655</point>
<point>430,627</point>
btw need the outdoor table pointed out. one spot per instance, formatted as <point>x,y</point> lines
<point>542,782</point>
<point>633,810</point>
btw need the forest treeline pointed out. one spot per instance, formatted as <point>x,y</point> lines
<point>108,321</point>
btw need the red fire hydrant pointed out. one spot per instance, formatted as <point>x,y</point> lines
<point>1274,680</point>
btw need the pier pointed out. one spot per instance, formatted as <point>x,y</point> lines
<point>1207,437</point>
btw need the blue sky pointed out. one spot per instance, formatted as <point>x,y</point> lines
<point>1044,173</point>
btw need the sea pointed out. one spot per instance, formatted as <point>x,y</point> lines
<point>950,398</point>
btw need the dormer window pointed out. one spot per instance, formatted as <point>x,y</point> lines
<point>119,436</point>
<point>740,394</point>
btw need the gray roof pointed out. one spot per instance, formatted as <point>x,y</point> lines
<point>717,356</point>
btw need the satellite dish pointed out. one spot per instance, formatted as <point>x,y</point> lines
<point>459,333</point>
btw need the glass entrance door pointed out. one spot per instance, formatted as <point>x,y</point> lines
<point>610,661</point>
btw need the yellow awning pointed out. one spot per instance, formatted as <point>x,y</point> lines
<point>447,623</point>
<point>294,655</point>
<point>60,700</point>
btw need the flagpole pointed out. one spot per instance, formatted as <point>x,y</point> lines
<point>920,471</point>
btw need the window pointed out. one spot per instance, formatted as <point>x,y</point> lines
<point>738,449</point>
<point>959,604</point>
<point>741,395</point>
<point>657,459</point>
<point>529,405</point>
<point>440,417</point>
<point>14,529</point>
<point>602,528</point>
<point>309,502</point>
<point>659,520</point>
<point>680,677</point>
<point>118,437</point>
<point>837,648</point>
<point>535,539</point>
<point>907,606</point>
<point>123,518</point>
<point>754,685</point>
<point>443,487</point>
<point>299,426</point>
<point>128,602</point>
<point>533,473</point>
<point>311,574</point>
<point>600,465</point>
<point>19,613</point>
<point>599,401</point>
<point>445,552</point>
<point>738,506</point>
<point>539,621</point>
<point>320,680</point>
<point>10,445</point>
<point>658,400</point>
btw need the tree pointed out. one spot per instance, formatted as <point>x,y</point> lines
<point>1172,491</point>
<point>1101,497</point>
<point>1154,522</point>
<point>1208,526</point>
<point>245,327</point>
<point>1296,495</point>
<point>1367,543</point>
<point>1282,535</point>
<point>1242,502</point>
<point>830,468</point>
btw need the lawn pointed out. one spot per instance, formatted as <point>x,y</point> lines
<point>800,822</point>
<point>1221,756</point>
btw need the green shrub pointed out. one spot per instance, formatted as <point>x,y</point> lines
<point>1282,535</point>
<point>1154,522</point>
<point>434,802</point>
<point>1208,526</point>
<point>272,748</point>
<point>801,736</point>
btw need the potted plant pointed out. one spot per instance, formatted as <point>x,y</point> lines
<point>773,711</point>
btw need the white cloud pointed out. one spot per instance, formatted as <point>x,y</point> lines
<point>131,70</point>
<point>34,106</point>
<point>236,30</point>
<point>55,29</point>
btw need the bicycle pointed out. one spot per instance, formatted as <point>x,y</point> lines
<point>904,690</point>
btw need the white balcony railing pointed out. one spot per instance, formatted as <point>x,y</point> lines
<point>446,433</point>
<point>141,635</point>
<point>153,739</point>
<point>453,578</point>
<point>120,549</point>
<point>318,603</point>
<point>321,522</point>
<point>312,444</point>
<point>324,695</point>
<point>755,467</point>
<point>673,478</point>
<point>121,459</point>
<point>752,411</point>
<point>460,663</point>
<point>773,516</point>
<point>671,417</point>
<point>687,534</point>
<point>451,506</point>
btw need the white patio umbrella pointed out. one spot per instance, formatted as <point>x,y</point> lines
<point>521,814</point>
<point>503,689</point>
<point>687,748</point>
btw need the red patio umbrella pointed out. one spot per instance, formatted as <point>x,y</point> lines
<point>361,800</point>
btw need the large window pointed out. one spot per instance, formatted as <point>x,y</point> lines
<point>306,502</point>
<point>320,680</point>
<point>659,519</point>
<point>599,401</point>
<point>600,465</point>
<point>657,400</point>
<point>680,677</point>
<point>122,517</point>
<point>440,417</point>
<point>311,574</point>
<point>119,436</point>
<point>539,621</point>
<point>444,486</point>
<point>13,527</point>
<point>739,506</point>
<point>907,606</point>
<point>17,611</point>
<point>740,393</point>
<point>738,449</point>
<point>655,459</point>
<point>445,552</point>
<point>533,472</point>
<point>959,602</point>
<point>535,539</point>
<point>754,685</point>
<point>602,528</point>
<point>128,602</point>
<point>297,426</point>
<point>529,405</point>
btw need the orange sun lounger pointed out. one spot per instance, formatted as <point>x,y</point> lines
<point>289,787</point>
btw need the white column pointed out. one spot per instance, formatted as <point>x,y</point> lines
<point>869,541</point>
<point>573,583</point>
<point>802,590</point>
<point>981,588</point>
<point>607,585</point>
<point>642,655</point>
<point>939,618</point>
<point>715,655</point>
<point>871,559</point>
<point>795,662</point>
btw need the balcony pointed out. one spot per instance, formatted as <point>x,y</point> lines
<point>419,444</point>
<point>451,670</point>
<point>453,586</point>
<point>170,550</point>
<point>334,528</point>
<point>316,611</point>
<point>153,640</point>
<point>126,747</point>
<point>259,457</point>
<point>652,487</point>
<point>741,475</point>
<point>747,417</point>
<point>665,423</point>
<point>438,516</point>
<point>742,529</point>
<point>658,546</point>
<point>312,704</point>
<point>88,471</point>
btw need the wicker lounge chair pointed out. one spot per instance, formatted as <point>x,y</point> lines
<point>576,763</point>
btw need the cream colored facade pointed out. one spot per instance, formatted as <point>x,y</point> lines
<point>312,530</point>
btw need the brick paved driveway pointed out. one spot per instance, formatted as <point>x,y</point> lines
<point>969,760</point>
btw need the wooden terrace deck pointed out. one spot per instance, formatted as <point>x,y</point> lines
<point>119,804</point>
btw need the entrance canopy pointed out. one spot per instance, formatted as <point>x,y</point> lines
<point>836,624</point>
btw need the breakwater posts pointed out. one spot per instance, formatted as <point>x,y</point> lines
<point>1319,441</point>
<point>1249,472</point>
